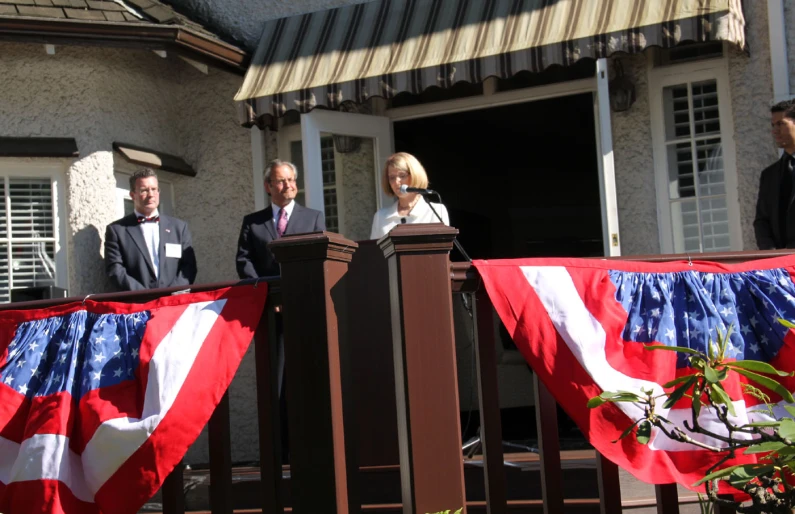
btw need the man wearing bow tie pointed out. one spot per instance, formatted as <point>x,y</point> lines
<point>147,250</point>
<point>283,217</point>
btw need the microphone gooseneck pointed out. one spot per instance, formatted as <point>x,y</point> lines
<point>408,189</point>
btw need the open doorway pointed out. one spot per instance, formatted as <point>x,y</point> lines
<point>518,180</point>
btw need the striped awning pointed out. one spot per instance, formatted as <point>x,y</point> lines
<point>385,47</point>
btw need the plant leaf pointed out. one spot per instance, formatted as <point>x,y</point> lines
<point>745,473</point>
<point>717,474</point>
<point>768,383</point>
<point>786,323</point>
<point>768,446</point>
<point>677,381</point>
<point>710,374</point>
<point>787,429</point>
<point>762,424</point>
<point>697,400</point>
<point>644,432</point>
<point>682,349</point>
<point>596,401</point>
<point>627,430</point>
<point>718,395</point>
<point>790,409</point>
<point>758,367</point>
<point>679,392</point>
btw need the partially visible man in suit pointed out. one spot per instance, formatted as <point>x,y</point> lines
<point>146,250</point>
<point>774,224</point>
<point>283,217</point>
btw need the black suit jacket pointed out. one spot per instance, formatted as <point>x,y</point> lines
<point>254,259</point>
<point>767,226</point>
<point>127,260</point>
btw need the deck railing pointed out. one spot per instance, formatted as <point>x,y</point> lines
<point>372,381</point>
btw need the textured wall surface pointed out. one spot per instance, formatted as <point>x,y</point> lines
<point>99,96</point>
<point>358,186</point>
<point>241,20</point>
<point>634,163</point>
<point>752,91</point>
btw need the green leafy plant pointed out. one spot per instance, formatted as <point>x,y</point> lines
<point>768,482</point>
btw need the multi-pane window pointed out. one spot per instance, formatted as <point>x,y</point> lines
<point>28,235</point>
<point>329,179</point>
<point>696,174</point>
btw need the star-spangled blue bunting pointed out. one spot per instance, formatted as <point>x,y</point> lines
<point>74,353</point>
<point>687,309</point>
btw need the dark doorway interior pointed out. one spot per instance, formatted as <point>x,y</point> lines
<point>519,180</point>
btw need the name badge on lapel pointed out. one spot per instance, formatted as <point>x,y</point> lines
<point>174,250</point>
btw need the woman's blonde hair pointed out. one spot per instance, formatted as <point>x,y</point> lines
<point>405,162</point>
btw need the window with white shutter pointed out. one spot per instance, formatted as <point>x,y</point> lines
<point>28,233</point>
<point>694,159</point>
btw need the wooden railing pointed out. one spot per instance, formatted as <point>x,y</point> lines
<point>372,380</point>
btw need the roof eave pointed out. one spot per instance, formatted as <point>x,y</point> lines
<point>181,40</point>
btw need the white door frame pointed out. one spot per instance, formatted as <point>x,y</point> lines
<point>315,122</point>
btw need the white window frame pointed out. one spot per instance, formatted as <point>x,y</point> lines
<point>660,77</point>
<point>291,133</point>
<point>55,170</point>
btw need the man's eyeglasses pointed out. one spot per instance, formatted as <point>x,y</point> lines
<point>149,191</point>
<point>283,182</point>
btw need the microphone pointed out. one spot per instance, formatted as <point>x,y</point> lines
<point>408,189</point>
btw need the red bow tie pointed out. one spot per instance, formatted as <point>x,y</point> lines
<point>144,219</point>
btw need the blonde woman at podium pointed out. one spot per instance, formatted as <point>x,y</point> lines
<point>405,179</point>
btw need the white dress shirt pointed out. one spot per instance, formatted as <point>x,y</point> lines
<point>151,232</point>
<point>387,218</point>
<point>287,208</point>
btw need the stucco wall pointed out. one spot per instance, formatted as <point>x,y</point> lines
<point>752,91</point>
<point>634,165</point>
<point>358,185</point>
<point>99,96</point>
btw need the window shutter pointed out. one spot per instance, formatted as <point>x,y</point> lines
<point>27,234</point>
<point>696,175</point>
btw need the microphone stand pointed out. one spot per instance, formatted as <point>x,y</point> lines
<point>471,446</point>
<point>455,241</point>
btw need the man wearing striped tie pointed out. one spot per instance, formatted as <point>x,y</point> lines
<point>146,249</point>
<point>282,217</point>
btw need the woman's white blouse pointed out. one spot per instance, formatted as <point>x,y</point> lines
<point>386,219</point>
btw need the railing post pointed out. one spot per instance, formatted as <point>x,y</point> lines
<point>609,485</point>
<point>266,338</point>
<point>667,498</point>
<point>173,491</point>
<point>220,439</point>
<point>313,267</point>
<point>426,388</point>
<point>549,448</point>
<point>489,405</point>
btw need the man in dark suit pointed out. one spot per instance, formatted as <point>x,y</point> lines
<point>774,224</point>
<point>254,259</point>
<point>146,250</point>
<point>283,217</point>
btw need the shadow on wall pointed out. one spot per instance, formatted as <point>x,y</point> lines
<point>89,266</point>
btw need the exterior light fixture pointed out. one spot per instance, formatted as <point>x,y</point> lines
<point>622,89</point>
